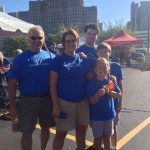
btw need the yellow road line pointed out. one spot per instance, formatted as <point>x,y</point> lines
<point>69,137</point>
<point>121,142</point>
<point>132,133</point>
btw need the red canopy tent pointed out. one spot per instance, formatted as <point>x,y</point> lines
<point>123,39</point>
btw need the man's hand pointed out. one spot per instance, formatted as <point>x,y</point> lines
<point>56,111</point>
<point>82,55</point>
<point>13,111</point>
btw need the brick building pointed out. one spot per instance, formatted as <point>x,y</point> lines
<point>140,21</point>
<point>50,14</point>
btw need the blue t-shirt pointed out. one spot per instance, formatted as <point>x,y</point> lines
<point>31,70</point>
<point>71,84</point>
<point>5,62</point>
<point>55,52</point>
<point>104,108</point>
<point>116,70</point>
<point>91,54</point>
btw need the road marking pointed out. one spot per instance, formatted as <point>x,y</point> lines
<point>69,137</point>
<point>132,133</point>
<point>120,143</point>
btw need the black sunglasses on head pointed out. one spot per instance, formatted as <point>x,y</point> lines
<point>35,38</point>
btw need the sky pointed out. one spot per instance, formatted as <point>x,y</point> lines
<point>108,10</point>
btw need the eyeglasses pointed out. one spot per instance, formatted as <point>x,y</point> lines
<point>35,38</point>
<point>70,41</point>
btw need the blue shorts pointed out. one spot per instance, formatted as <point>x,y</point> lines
<point>101,128</point>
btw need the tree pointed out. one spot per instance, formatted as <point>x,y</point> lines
<point>11,44</point>
<point>61,29</point>
<point>111,30</point>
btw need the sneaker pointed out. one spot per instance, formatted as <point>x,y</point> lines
<point>92,147</point>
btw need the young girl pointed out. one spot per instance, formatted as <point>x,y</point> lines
<point>101,91</point>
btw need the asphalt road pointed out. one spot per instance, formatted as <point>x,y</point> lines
<point>134,127</point>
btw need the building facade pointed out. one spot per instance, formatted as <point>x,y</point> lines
<point>50,14</point>
<point>140,21</point>
<point>140,15</point>
<point>2,8</point>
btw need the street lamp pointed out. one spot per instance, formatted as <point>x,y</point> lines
<point>148,36</point>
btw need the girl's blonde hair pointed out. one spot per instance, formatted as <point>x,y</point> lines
<point>102,60</point>
<point>105,62</point>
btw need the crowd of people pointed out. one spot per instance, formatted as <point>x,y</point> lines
<point>122,56</point>
<point>72,90</point>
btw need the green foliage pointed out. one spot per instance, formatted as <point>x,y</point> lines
<point>53,38</point>
<point>61,29</point>
<point>111,30</point>
<point>11,44</point>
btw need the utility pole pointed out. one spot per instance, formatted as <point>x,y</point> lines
<point>148,36</point>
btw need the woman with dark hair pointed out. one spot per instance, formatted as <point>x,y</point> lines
<point>68,91</point>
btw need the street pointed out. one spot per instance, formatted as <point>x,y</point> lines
<point>133,129</point>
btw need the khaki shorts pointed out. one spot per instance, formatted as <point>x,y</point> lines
<point>33,110</point>
<point>77,114</point>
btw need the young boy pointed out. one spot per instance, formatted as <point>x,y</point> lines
<point>102,109</point>
<point>104,50</point>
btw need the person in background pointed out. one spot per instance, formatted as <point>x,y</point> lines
<point>31,70</point>
<point>101,91</point>
<point>68,91</point>
<point>53,50</point>
<point>104,50</point>
<point>121,57</point>
<point>4,67</point>
<point>17,52</point>
<point>116,56</point>
<point>128,57</point>
<point>91,34</point>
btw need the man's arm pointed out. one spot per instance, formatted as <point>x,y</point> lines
<point>12,84</point>
<point>53,91</point>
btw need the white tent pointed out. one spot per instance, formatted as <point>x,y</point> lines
<point>11,26</point>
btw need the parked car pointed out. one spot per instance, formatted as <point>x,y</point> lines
<point>137,55</point>
<point>141,51</point>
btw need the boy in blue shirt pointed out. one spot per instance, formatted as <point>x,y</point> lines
<point>104,50</point>
<point>102,109</point>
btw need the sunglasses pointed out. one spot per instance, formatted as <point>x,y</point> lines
<point>36,38</point>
